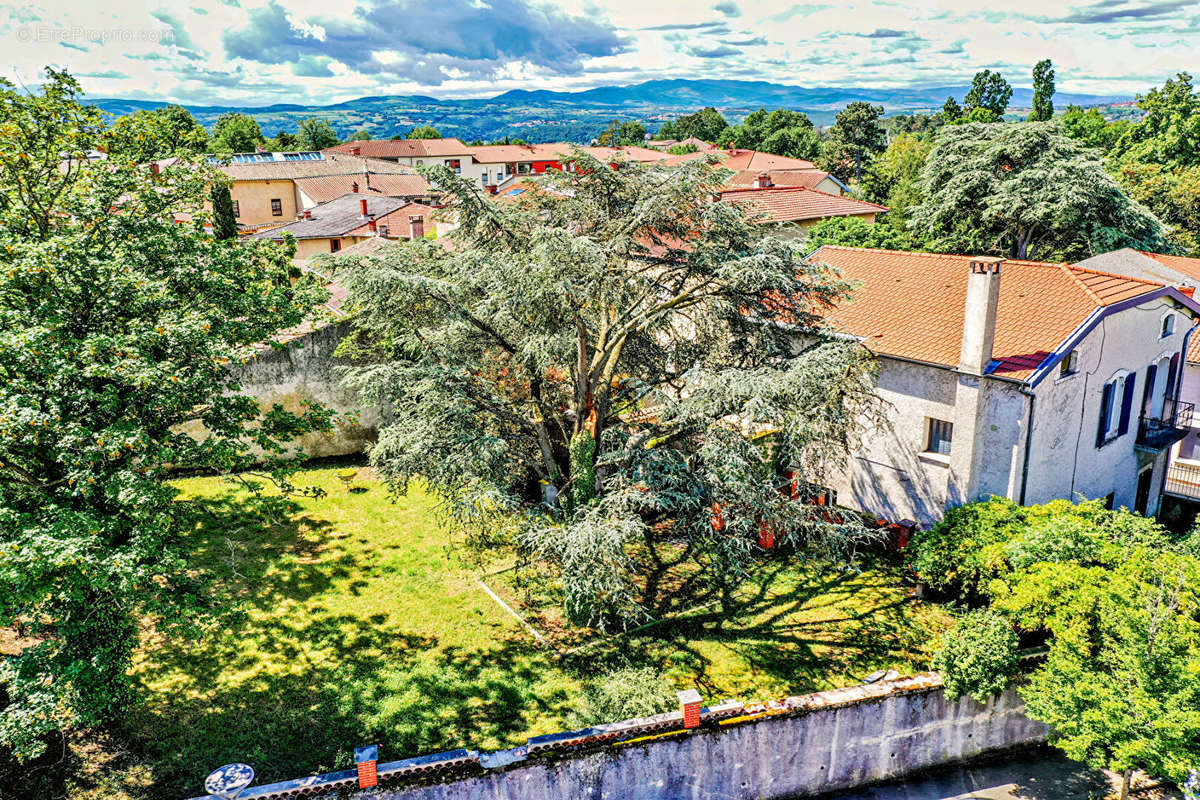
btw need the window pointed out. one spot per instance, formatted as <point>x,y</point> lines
<point>237,212</point>
<point>1116,403</point>
<point>939,436</point>
<point>276,207</point>
<point>335,245</point>
<point>454,164</point>
<point>1069,364</point>
<point>1168,326</point>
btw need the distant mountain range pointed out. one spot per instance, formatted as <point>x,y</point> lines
<point>541,115</point>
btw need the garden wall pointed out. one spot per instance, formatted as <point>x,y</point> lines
<point>803,745</point>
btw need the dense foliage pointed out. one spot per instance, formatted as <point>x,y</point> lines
<point>990,92</point>
<point>854,139</point>
<point>1025,191</point>
<point>1119,604</point>
<point>596,355</point>
<point>1043,91</point>
<point>424,132</point>
<point>622,133</point>
<point>235,133</point>
<point>783,132</point>
<point>155,133</point>
<point>707,125</point>
<point>118,329</point>
<point>625,693</point>
<point>857,232</point>
<point>315,134</point>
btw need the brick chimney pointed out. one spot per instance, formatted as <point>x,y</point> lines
<point>763,181</point>
<point>354,187</point>
<point>979,319</point>
<point>416,225</point>
<point>371,225</point>
<point>308,213</point>
<point>362,203</point>
<point>356,150</point>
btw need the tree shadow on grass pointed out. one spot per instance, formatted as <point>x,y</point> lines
<point>278,680</point>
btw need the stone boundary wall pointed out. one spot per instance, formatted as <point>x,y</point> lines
<point>803,745</point>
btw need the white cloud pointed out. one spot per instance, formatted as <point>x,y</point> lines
<point>130,48</point>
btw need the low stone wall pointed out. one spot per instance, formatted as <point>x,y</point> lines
<point>799,746</point>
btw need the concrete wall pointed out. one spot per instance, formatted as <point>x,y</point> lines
<point>742,751</point>
<point>305,370</point>
<point>1064,459</point>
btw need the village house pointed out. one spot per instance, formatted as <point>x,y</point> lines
<point>274,188</point>
<point>347,220</point>
<point>1183,471</point>
<point>1027,380</point>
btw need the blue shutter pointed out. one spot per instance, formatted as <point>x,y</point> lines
<point>1126,404</point>
<point>1172,375</point>
<point>1108,387</point>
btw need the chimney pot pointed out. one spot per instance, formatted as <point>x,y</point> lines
<point>979,317</point>
<point>362,202</point>
<point>689,705</point>
<point>354,187</point>
<point>307,214</point>
<point>356,150</point>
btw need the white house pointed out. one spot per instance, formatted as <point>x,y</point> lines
<point>1027,380</point>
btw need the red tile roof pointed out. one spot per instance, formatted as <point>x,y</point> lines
<point>779,177</point>
<point>326,188</point>
<point>911,305</point>
<point>1188,266</point>
<point>797,204</point>
<point>403,148</point>
<point>752,159</point>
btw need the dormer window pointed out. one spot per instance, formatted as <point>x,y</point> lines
<point>1069,364</point>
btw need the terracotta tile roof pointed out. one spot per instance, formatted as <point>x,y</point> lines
<point>752,159</point>
<point>1188,266</point>
<point>626,153</point>
<point>403,148</point>
<point>797,204</point>
<point>509,153</point>
<point>780,177</point>
<point>327,187</point>
<point>911,305</point>
<point>397,222</point>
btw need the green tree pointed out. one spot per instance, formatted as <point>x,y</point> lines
<point>1025,191</point>
<point>117,327</point>
<point>857,232</point>
<point>280,142</point>
<point>1172,194</point>
<point>1169,133</point>
<point>545,365</point>
<point>988,90</point>
<point>315,134</point>
<point>224,220</point>
<point>894,179</point>
<point>157,133</point>
<point>424,132</point>
<point>782,132</point>
<point>361,135</point>
<point>1043,91</point>
<point>951,110</point>
<point>234,132</point>
<point>622,134</point>
<point>707,125</point>
<point>1091,128</point>
<point>854,138</point>
<point>978,656</point>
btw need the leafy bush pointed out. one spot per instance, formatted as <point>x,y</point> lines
<point>978,656</point>
<point>625,693</point>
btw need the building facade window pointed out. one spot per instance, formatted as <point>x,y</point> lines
<point>335,245</point>
<point>276,207</point>
<point>1116,404</point>
<point>939,436</point>
<point>1168,325</point>
<point>454,164</point>
<point>1069,364</point>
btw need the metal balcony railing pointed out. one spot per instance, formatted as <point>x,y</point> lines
<point>1183,480</point>
<point>1167,428</point>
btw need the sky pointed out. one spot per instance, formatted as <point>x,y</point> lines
<point>258,52</point>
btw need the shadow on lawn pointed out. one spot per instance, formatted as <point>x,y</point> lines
<point>827,628</point>
<point>296,694</point>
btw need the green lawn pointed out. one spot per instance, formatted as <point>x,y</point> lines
<point>354,620</point>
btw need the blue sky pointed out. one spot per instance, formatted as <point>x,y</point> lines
<point>253,52</point>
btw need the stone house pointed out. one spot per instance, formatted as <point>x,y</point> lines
<point>1028,380</point>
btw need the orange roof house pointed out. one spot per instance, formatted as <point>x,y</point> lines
<point>799,205</point>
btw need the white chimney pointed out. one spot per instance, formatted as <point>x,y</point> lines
<point>979,318</point>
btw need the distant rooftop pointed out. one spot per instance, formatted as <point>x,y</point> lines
<point>336,218</point>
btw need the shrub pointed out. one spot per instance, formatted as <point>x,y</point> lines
<point>625,693</point>
<point>978,656</point>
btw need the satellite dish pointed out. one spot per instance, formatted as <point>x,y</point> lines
<point>229,781</point>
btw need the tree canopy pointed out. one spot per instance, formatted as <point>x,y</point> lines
<point>1025,191</point>
<point>234,132</point>
<point>622,133</point>
<point>783,132</point>
<point>315,134</point>
<point>1043,91</point>
<point>424,132</point>
<point>119,327</point>
<point>707,124</point>
<point>151,134</point>
<point>990,91</point>
<point>600,355</point>
<point>854,138</point>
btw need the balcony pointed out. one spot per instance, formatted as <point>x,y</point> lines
<point>1183,480</point>
<point>1159,433</point>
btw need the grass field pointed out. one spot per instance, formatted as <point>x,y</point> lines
<point>354,620</point>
